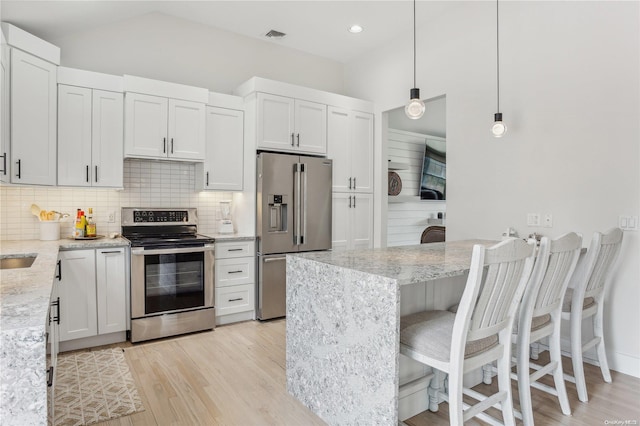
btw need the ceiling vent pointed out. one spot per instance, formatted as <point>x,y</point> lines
<point>275,34</point>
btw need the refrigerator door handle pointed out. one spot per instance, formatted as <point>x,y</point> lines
<point>298,202</point>
<point>303,212</point>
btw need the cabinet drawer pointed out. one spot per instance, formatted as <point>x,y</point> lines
<point>235,271</point>
<point>235,249</point>
<point>234,299</point>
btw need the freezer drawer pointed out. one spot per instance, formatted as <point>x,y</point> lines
<point>272,286</point>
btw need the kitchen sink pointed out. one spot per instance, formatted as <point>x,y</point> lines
<point>16,262</point>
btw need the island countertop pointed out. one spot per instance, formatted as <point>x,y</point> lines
<point>343,322</point>
<point>405,264</point>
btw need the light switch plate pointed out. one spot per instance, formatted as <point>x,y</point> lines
<point>533,219</point>
<point>628,223</point>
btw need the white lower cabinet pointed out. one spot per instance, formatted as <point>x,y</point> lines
<point>92,287</point>
<point>352,226</point>
<point>235,281</point>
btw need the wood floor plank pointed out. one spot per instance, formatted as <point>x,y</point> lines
<point>235,375</point>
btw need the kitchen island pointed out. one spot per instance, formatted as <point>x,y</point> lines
<point>343,317</point>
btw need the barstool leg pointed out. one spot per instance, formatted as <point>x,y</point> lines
<point>524,384</point>
<point>433,389</point>
<point>555,355</point>
<point>600,348</point>
<point>576,356</point>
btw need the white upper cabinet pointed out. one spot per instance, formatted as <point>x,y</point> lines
<point>291,125</point>
<point>33,119</point>
<point>29,98</point>
<point>350,145</point>
<point>223,166</point>
<point>89,137</point>
<point>5,84</point>
<point>186,130</point>
<point>164,120</point>
<point>145,126</point>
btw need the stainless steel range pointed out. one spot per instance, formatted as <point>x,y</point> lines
<point>172,273</point>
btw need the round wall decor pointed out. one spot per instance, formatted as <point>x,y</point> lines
<point>395,184</point>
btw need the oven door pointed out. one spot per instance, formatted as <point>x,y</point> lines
<point>171,280</point>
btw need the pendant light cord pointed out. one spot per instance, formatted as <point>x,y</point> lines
<point>497,57</point>
<point>414,43</point>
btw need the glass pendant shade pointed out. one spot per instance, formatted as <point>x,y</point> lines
<point>415,107</point>
<point>499,128</point>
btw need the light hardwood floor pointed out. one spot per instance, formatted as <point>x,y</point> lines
<point>235,375</point>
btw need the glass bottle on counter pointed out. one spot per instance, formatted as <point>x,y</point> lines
<point>91,224</point>
<point>78,230</point>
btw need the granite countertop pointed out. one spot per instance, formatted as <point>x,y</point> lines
<point>24,303</point>
<point>406,264</point>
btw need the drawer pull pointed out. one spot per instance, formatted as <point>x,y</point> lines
<point>235,300</point>
<point>234,272</point>
<point>235,249</point>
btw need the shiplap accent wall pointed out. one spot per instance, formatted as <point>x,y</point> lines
<point>407,219</point>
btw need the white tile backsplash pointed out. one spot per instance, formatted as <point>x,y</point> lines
<point>146,184</point>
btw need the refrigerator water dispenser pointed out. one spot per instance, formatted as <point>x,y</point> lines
<point>277,213</point>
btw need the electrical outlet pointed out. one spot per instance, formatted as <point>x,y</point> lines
<point>628,223</point>
<point>112,217</point>
<point>548,220</point>
<point>533,219</point>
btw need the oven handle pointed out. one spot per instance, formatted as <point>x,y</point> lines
<point>144,252</point>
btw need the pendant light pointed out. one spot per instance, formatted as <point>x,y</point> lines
<point>499,128</point>
<point>415,107</point>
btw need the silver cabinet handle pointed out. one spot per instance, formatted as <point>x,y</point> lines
<point>292,139</point>
<point>274,259</point>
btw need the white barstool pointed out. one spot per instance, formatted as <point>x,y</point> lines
<point>479,333</point>
<point>585,299</point>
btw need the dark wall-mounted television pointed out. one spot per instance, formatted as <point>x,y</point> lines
<point>433,182</point>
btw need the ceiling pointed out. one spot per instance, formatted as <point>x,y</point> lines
<point>316,27</point>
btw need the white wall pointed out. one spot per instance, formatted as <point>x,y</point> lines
<point>570,94</point>
<point>172,49</point>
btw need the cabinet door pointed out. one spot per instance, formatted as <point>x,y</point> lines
<point>275,122</point>
<point>74,136</point>
<point>362,151</point>
<point>338,147</point>
<point>186,130</point>
<point>111,290</point>
<point>145,133</point>
<point>341,204</point>
<point>77,291</point>
<point>5,84</point>
<point>311,127</point>
<point>33,119</point>
<point>107,139</point>
<point>224,164</point>
<point>361,225</point>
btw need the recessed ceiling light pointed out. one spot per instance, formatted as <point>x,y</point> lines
<point>355,29</point>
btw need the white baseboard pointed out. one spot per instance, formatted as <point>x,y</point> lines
<point>90,342</point>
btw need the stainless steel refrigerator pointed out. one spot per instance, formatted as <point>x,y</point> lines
<point>294,215</point>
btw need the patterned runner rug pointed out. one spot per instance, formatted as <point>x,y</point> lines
<point>93,387</point>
